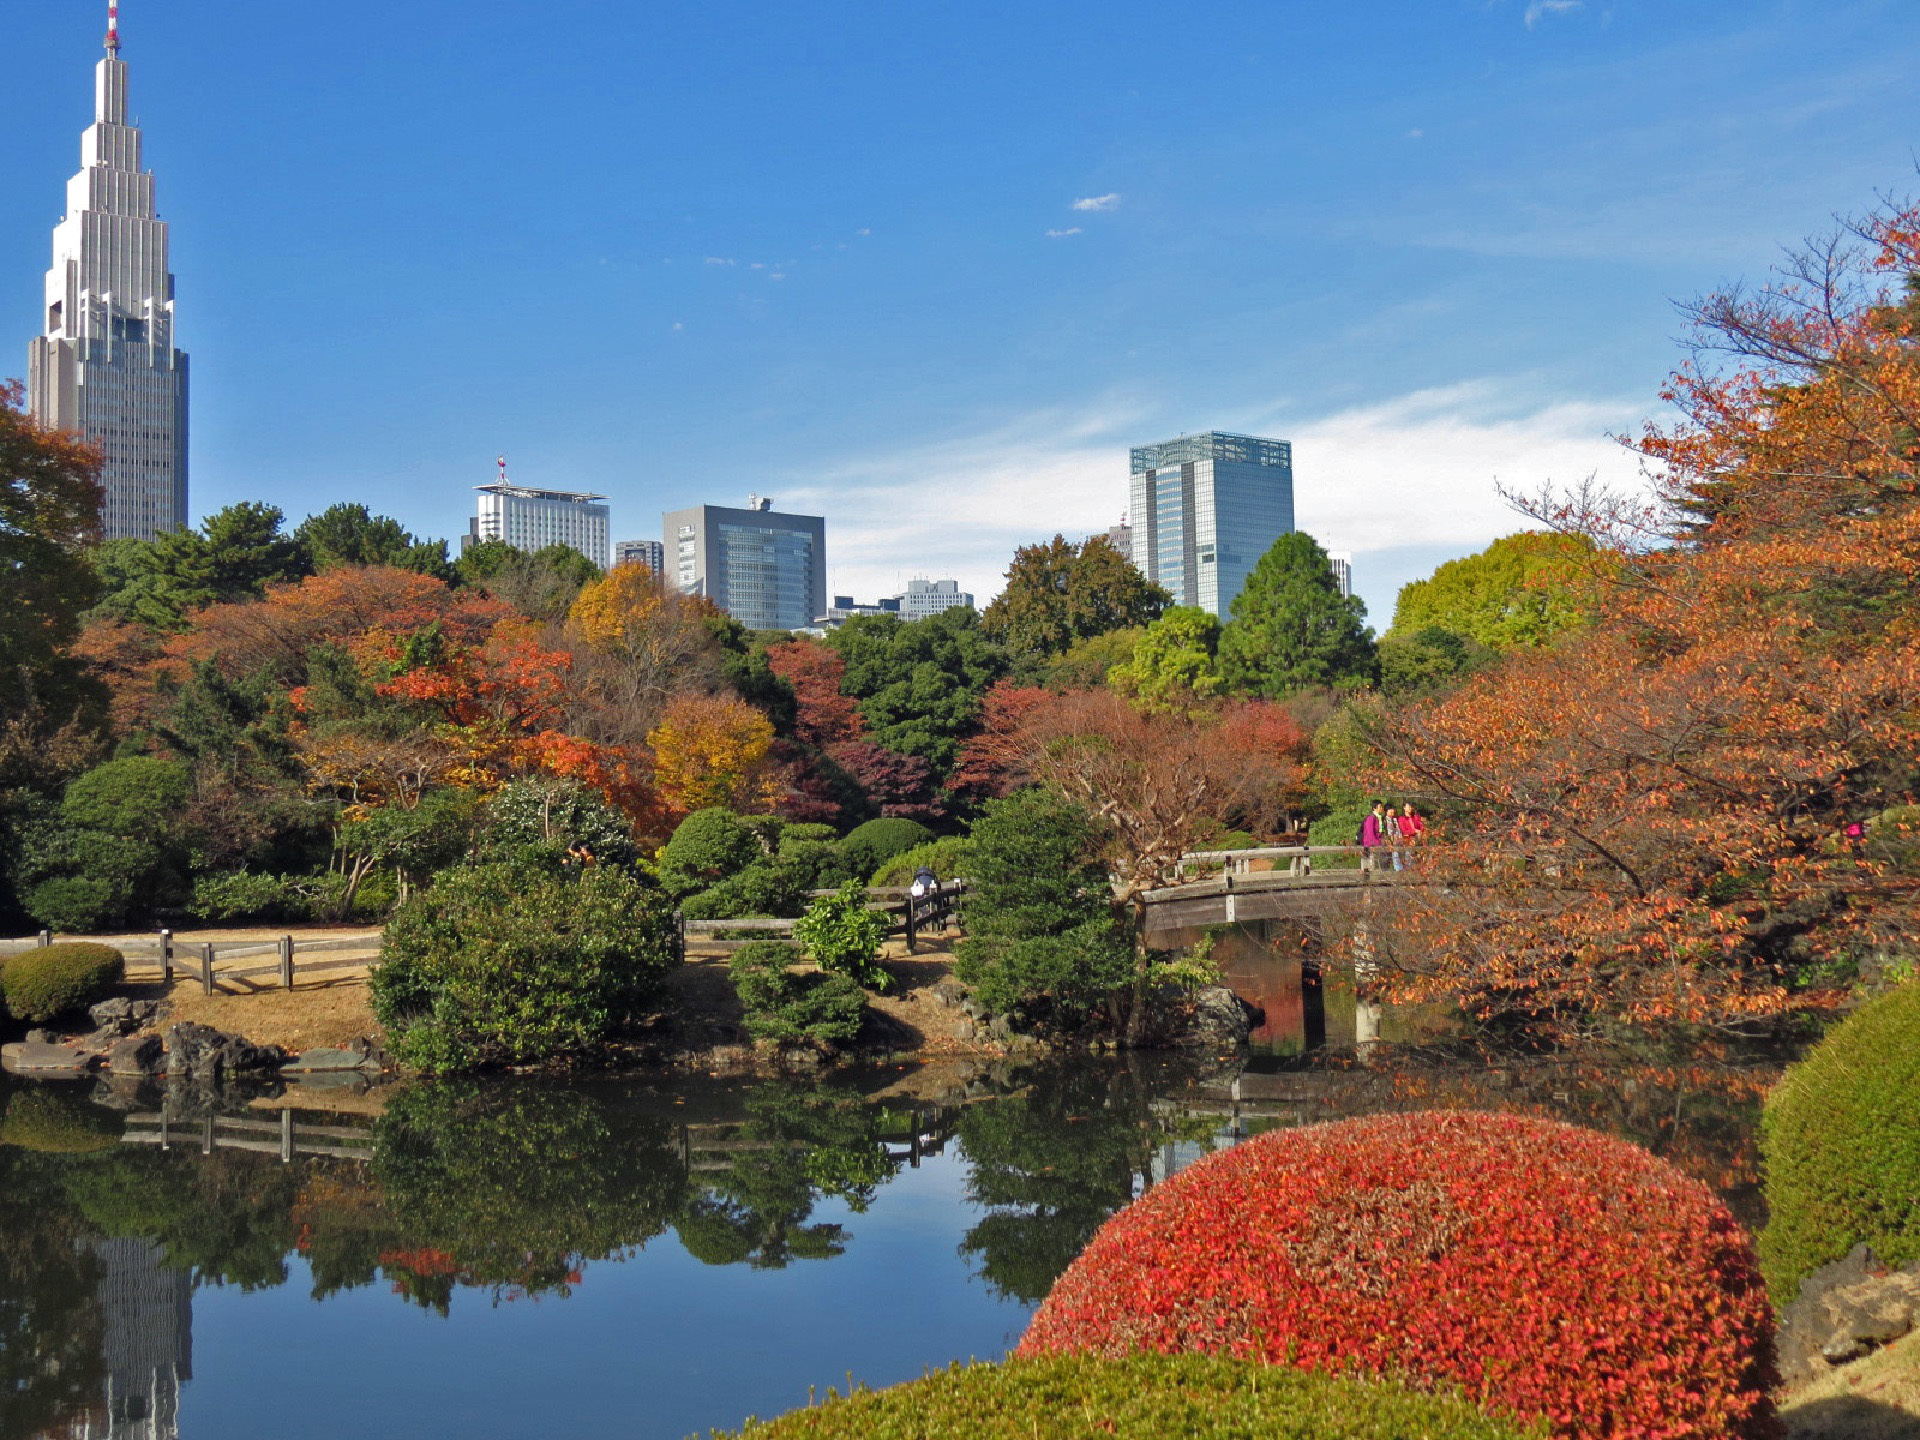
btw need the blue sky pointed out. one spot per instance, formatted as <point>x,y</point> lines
<point>928,267</point>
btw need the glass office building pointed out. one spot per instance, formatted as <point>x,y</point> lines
<point>766,569</point>
<point>1204,508</point>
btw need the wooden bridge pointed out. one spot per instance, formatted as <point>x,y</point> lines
<point>1241,892</point>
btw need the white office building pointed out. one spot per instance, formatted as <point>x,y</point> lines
<point>1341,563</point>
<point>1204,509</point>
<point>929,597</point>
<point>530,519</point>
<point>105,366</point>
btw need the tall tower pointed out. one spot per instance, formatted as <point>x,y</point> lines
<point>1204,509</point>
<point>106,366</point>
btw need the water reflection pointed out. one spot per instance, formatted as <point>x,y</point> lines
<point>948,1205</point>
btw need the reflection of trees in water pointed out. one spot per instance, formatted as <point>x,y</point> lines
<point>50,1316</point>
<point>512,1188</point>
<point>1051,1163</point>
<point>756,1182</point>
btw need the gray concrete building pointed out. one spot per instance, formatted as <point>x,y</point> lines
<point>106,366</point>
<point>766,569</point>
<point>1204,509</point>
<point>650,553</point>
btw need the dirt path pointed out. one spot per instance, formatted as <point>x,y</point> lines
<point>1874,1398</point>
<point>328,1007</point>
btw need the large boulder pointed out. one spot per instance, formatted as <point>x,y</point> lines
<point>204,1053</point>
<point>1844,1310</point>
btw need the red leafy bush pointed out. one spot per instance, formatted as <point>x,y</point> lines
<point>1547,1271</point>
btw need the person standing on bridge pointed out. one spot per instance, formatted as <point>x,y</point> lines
<point>1411,827</point>
<point>1373,833</point>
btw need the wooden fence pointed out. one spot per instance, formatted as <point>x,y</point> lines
<point>204,959</point>
<point>281,1136</point>
<point>908,915</point>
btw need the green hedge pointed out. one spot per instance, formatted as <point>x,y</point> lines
<point>1841,1140</point>
<point>1145,1397</point>
<point>947,857</point>
<point>55,980</point>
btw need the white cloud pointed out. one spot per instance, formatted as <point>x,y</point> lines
<point>720,260</point>
<point>1062,234</point>
<point>1109,201</point>
<point>1538,10</point>
<point>1415,134</point>
<point>1418,470</point>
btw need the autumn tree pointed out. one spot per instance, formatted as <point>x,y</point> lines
<point>1060,592</point>
<point>823,714</point>
<point>1522,590</point>
<point>1292,628</point>
<point>713,751</point>
<point>50,710</point>
<point>637,643</point>
<point>1648,822</point>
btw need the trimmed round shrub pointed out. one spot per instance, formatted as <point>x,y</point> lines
<point>1147,1397</point>
<point>45,1120</point>
<point>869,846</point>
<point>784,1004</point>
<point>947,857</point>
<point>512,964</point>
<point>56,980</point>
<point>1840,1137</point>
<point>1550,1272</point>
<point>708,845</point>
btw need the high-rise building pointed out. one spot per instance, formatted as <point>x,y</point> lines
<point>929,597</point>
<point>766,569</point>
<point>106,366</point>
<point>532,519</point>
<point>1204,509</point>
<point>1341,563</point>
<point>650,553</point>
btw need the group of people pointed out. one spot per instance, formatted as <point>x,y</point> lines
<point>1397,834</point>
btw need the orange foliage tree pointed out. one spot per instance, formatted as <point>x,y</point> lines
<point>713,750</point>
<point>1673,817</point>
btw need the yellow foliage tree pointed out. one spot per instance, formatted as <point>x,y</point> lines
<point>713,750</point>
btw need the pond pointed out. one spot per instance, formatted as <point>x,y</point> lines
<point>518,1259</point>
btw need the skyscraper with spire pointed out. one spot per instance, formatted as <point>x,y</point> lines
<point>106,366</point>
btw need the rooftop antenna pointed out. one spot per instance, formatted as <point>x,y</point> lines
<point>503,469</point>
<point>113,27</point>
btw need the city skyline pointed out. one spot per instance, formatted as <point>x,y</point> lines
<point>889,258</point>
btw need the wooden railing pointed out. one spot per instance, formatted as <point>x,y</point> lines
<point>909,916</point>
<point>203,959</point>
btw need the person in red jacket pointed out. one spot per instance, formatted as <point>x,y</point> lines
<point>1411,827</point>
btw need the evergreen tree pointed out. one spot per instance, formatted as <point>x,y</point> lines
<point>1291,626</point>
<point>352,535</point>
<point>1059,592</point>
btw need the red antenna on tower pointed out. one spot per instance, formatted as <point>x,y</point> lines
<point>113,27</point>
<point>503,469</point>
